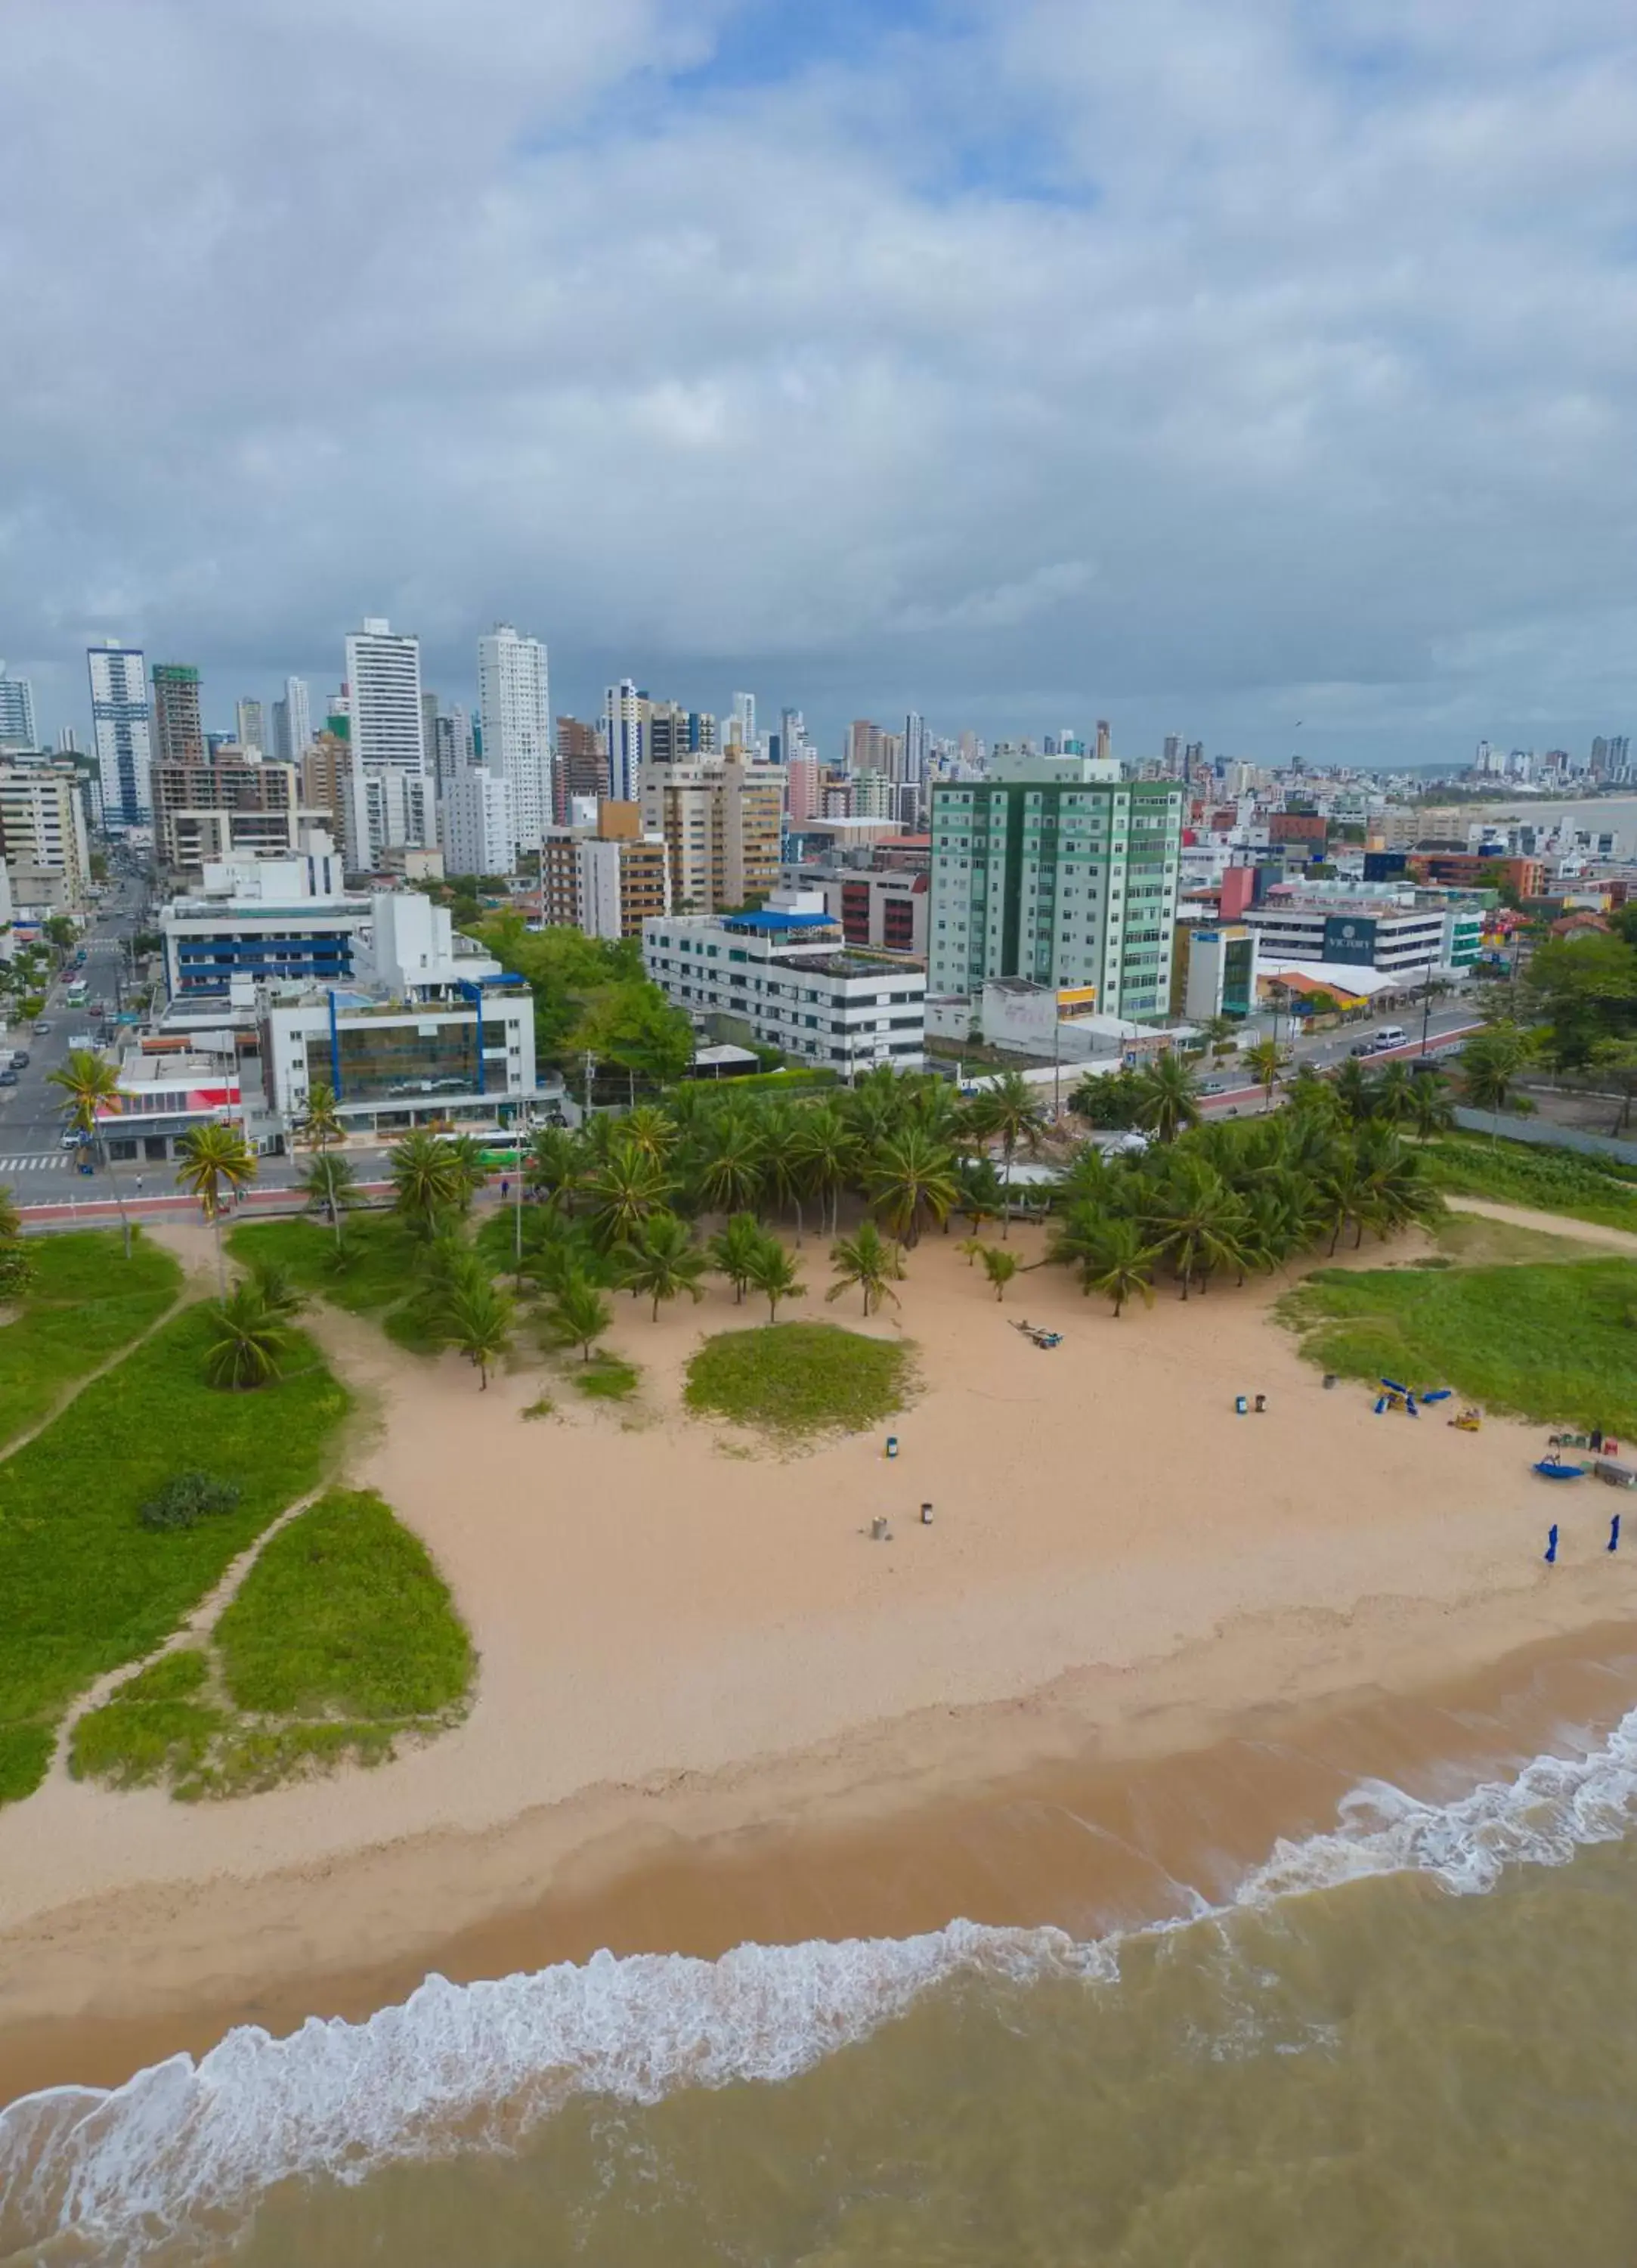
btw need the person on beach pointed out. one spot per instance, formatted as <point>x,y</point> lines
<point>1614,1533</point>
<point>1552,1545</point>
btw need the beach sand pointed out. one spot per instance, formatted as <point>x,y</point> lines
<point>689,1644</point>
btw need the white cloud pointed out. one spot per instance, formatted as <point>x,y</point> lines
<point>1074,360</point>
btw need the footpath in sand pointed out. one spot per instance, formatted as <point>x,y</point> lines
<point>683,1633</point>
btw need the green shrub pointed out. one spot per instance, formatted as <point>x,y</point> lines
<point>136,1743</point>
<point>607,1377</point>
<point>187,1499</point>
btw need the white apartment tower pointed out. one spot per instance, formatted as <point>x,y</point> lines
<point>297,719</point>
<point>742,731</point>
<point>476,824</point>
<point>122,722</point>
<point>514,708</point>
<point>384,705</point>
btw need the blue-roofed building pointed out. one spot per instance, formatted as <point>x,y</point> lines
<point>783,977</point>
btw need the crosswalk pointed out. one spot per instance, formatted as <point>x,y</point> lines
<point>35,1164</point>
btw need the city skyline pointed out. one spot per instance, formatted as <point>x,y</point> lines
<point>1217,370</point>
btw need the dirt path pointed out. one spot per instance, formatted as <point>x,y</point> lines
<point>1551,1224</point>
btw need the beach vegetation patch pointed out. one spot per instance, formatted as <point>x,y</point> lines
<point>800,1379</point>
<point>84,1302</point>
<point>606,1377</point>
<point>1601,1191</point>
<point>85,1587</point>
<point>1550,1341</point>
<point>344,1612</point>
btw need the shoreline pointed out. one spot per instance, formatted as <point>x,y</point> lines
<point>1100,1802</point>
<point>688,1645</point>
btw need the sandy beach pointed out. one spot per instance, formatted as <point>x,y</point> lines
<point>689,1643</point>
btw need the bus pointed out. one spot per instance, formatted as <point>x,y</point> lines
<point>75,994</point>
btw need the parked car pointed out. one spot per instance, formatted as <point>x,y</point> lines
<point>1362,1048</point>
<point>8,1078</point>
<point>42,1025</point>
<point>19,1058</point>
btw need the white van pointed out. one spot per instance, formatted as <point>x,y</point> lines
<point>1391,1036</point>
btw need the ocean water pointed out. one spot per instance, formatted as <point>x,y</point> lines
<point>1411,2039</point>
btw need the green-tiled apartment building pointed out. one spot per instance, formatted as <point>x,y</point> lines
<point>1047,872</point>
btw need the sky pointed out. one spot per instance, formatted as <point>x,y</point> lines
<point>1259,370</point>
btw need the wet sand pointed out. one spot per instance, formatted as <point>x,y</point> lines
<point>1140,1825</point>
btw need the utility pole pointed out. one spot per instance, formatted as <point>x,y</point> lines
<point>1427,1008</point>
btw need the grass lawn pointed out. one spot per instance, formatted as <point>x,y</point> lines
<point>795,1379</point>
<point>1549,1181</point>
<point>85,1586</point>
<point>87,1301</point>
<point>375,1271</point>
<point>1554,1341</point>
<point>342,1636</point>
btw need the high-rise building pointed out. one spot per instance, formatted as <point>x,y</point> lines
<point>178,730</point>
<point>1048,873</point>
<point>383,710</point>
<point>582,768</point>
<point>476,824</point>
<point>514,707</point>
<point>16,712</point>
<point>1103,744</point>
<point>625,728</point>
<point>123,726</point>
<point>236,801</point>
<point>297,708</point>
<point>722,823</point>
<point>742,730</point>
<point>913,765</point>
<point>605,881</point>
<point>451,750</point>
<point>43,844</point>
<point>326,787</point>
<point>251,722</point>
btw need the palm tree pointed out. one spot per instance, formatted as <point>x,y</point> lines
<point>1000,1268</point>
<point>217,1162</point>
<point>1010,1109</point>
<point>1356,1091</point>
<point>1342,1193</point>
<point>329,1185</point>
<point>908,1178</point>
<point>982,1195</point>
<point>250,1340</point>
<point>1168,1097</point>
<point>1265,1061</point>
<point>868,1260</point>
<point>826,1151</point>
<point>579,1314</point>
<point>1431,1110</point>
<point>90,1089</point>
<point>734,1250</point>
<point>554,1163</point>
<point>623,1193</point>
<point>426,1181</point>
<point>1490,1062</point>
<point>726,1172</point>
<point>660,1260</point>
<point>774,1274</point>
<point>281,1295</point>
<point>1197,1217</point>
<point>478,1319</point>
<point>649,1129</point>
<point>1395,1094</point>
<point>465,1156</point>
<point>321,1125</point>
<point>783,1172</point>
<point>1121,1266</point>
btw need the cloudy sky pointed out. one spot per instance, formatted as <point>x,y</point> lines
<point>1264,370</point>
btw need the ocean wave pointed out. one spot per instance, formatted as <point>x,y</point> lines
<point>187,2146</point>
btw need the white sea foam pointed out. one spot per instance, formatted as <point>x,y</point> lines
<point>475,2066</point>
